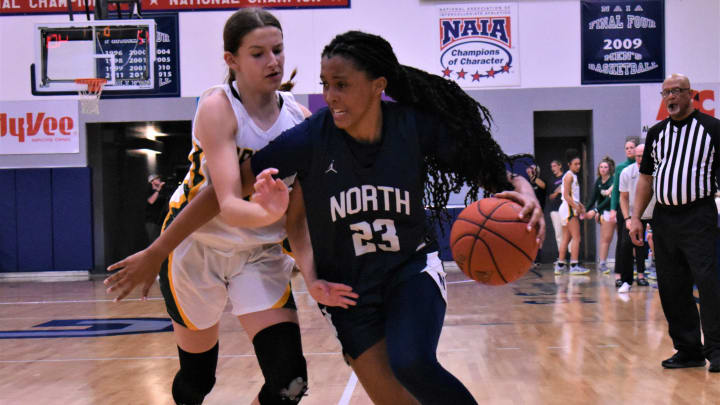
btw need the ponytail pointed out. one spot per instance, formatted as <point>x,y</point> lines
<point>289,84</point>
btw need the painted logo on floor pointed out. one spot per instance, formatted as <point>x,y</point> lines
<point>92,328</point>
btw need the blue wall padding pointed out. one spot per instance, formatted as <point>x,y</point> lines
<point>8,222</point>
<point>34,219</point>
<point>72,219</point>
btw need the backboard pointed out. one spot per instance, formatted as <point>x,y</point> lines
<point>121,51</point>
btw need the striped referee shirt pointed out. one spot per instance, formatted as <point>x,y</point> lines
<point>683,156</point>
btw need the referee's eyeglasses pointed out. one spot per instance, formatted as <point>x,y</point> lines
<point>674,91</point>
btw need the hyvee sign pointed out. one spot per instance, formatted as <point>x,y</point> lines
<point>30,127</point>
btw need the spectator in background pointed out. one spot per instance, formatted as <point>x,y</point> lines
<point>555,198</point>
<point>624,261</point>
<point>571,212</point>
<point>156,206</point>
<point>538,184</point>
<point>601,212</point>
<point>540,188</point>
<point>615,213</point>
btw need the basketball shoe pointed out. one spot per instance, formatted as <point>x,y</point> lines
<point>577,270</point>
<point>559,267</point>
<point>602,267</point>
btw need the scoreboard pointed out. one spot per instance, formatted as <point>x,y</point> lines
<point>120,51</point>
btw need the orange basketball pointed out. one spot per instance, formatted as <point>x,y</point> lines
<point>491,244</point>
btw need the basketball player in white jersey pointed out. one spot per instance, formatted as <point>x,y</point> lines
<point>220,260</point>
<point>571,210</point>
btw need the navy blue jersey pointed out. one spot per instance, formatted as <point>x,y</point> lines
<point>364,202</point>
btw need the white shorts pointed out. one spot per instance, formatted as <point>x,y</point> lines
<point>199,279</point>
<point>605,217</point>
<point>566,212</point>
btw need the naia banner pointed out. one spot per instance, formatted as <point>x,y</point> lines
<point>622,41</point>
<point>478,44</point>
<point>30,127</point>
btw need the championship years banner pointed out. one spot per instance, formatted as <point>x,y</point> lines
<point>10,7</point>
<point>622,41</point>
<point>478,44</point>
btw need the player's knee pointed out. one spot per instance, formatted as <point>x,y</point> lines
<point>196,376</point>
<point>411,368</point>
<point>279,353</point>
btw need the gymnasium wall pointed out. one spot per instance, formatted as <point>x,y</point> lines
<point>549,41</point>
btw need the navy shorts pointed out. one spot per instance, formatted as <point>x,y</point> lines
<point>361,326</point>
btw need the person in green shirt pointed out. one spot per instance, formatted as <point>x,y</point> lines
<point>615,213</point>
<point>601,212</point>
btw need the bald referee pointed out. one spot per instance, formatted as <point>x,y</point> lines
<point>679,165</point>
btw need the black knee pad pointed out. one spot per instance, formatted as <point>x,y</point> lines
<point>196,376</point>
<point>279,352</point>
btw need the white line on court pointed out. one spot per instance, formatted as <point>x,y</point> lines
<point>349,388</point>
<point>223,356</point>
<point>461,282</point>
<point>73,301</point>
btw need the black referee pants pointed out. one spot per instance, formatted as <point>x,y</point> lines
<point>685,253</point>
<point>619,230</point>
<point>624,255</point>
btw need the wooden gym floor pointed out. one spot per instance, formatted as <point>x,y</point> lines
<point>541,340</point>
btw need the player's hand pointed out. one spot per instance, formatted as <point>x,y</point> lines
<point>613,216</point>
<point>139,269</point>
<point>590,214</point>
<point>636,232</point>
<point>271,194</point>
<point>530,209</point>
<point>332,294</point>
<point>581,209</point>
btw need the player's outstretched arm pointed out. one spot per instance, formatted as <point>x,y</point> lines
<point>525,196</point>
<point>142,267</point>
<point>326,293</point>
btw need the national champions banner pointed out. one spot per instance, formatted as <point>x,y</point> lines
<point>622,41</point>
<point>478,44</point>
<point>31,127</point>
<point>14,7</point>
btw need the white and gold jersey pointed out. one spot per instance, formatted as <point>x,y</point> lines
<point>248,138</point>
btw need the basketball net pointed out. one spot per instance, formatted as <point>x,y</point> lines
<point>89,93</point>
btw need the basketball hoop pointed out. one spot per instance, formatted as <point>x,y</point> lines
<point>90,95</point>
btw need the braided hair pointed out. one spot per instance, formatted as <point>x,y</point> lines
<point>477,159</point>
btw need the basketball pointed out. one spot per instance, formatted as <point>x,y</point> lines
<point>491,244</point>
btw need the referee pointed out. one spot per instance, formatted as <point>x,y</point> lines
<point>679,165</point>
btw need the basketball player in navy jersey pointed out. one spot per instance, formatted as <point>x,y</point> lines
<point>366,170</point>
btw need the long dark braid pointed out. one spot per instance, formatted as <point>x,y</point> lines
<point>477,159</point>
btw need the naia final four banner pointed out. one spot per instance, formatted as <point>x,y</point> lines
<point>623,41</point>
<point>478,44</point>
